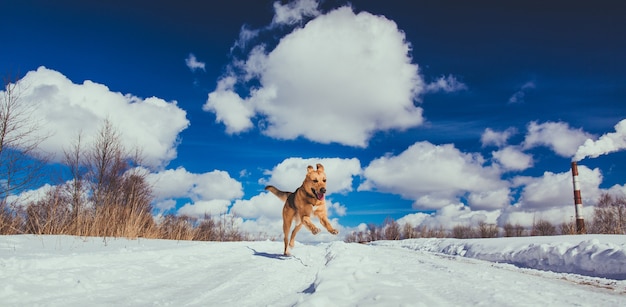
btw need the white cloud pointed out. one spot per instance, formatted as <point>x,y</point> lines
<point>511,158</point>
<point>518,97</point>
<point>558,136</point>
<point>200,209</point>
<point>554,190</point>
<point>555,215</point>
<point>607,143</point>
<point>414,219</point>
<point>289,174</point>
<point>446,84</point>
<point>245,36</point>
<point>193,63</point>
<point>340,78</point>
<point>165,205</point>
<point>618,191</point>
<point>450,216</point>
<point>495,138</point>
<point>436,176</point>
<point>64,109</point>
<point>294,12</point>
<point>265,205</point>
<point>210,192</point>
<point>548,197</point>
<point>229,108</point>
<point>337,208</point>
<point>30,196</point>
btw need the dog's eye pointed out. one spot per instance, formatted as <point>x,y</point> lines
<point>324,179</point>
<point>315,180</point>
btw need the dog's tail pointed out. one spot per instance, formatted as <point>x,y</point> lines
<point>280,194</point>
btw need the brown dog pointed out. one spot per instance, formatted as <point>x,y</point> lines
<point>306,200</point>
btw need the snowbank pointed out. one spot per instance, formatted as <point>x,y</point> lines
<point>590,255</point>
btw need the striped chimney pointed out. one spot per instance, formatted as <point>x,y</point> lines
<point>578,201</point>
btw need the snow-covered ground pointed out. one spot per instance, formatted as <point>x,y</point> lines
<point>586,270</point>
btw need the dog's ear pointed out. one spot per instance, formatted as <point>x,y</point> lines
<point>309,169</point>
<point>320,167</point>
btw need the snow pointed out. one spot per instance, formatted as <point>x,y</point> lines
<point>585,270</point>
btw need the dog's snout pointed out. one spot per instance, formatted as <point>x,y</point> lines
<point>323,190</point>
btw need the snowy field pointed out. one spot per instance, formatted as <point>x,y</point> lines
<point>588,270</point>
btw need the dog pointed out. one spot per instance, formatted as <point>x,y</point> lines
<point>305,201</point>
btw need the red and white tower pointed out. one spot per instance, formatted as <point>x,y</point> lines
<point>578,201</point>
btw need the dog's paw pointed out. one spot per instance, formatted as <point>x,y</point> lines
<point>315,231</point>
<point>334,231</point>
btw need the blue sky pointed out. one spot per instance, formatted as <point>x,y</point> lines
<point>429,112</point>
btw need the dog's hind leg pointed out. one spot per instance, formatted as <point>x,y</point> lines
<point>292,241</point>
<point>288,216</point>
<point>286,227</point>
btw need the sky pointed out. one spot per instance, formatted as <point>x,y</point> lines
<point>436,113</point>
<point>582,270</point>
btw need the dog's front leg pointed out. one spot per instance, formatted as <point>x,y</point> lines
<point>307,222</point>
<point>326,223</point>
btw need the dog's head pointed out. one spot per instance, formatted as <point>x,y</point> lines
<point>315,181</point>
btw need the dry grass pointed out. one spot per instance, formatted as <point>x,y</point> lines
<point>54,216</point>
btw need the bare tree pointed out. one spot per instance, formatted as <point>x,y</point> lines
<point>373,232</point>
<point>409,232</point>
<point>75,161</point>
<point>463,232</point>
<point>106,163</point>
<point>543,228</point>
<point>511,230</point>
<point>610,215</point>
<point>488,230</point>
<point>20,136</point>
<point>391,229</point>
<point>568,228</point>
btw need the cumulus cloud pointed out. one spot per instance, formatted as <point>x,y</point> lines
<point>550,198</point>
<point>209,192</point>
<point>555,215</point>
<point>512,158</point>
<point>558,136</point>
<point>450,216</point>
<point>556,189</point>
<point>294,12</point>
<point>26,197</point>
<point>496,138</point>
<point>340,78</point>
<point>607,143</point>
<point>446,84</point>
<point>200,209</point>
<point>265,205</point>
<point>64,109</point>
<point>436,176</point>
<point>230,109</point>
<point>193,63</point>
<point>518,97</point>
